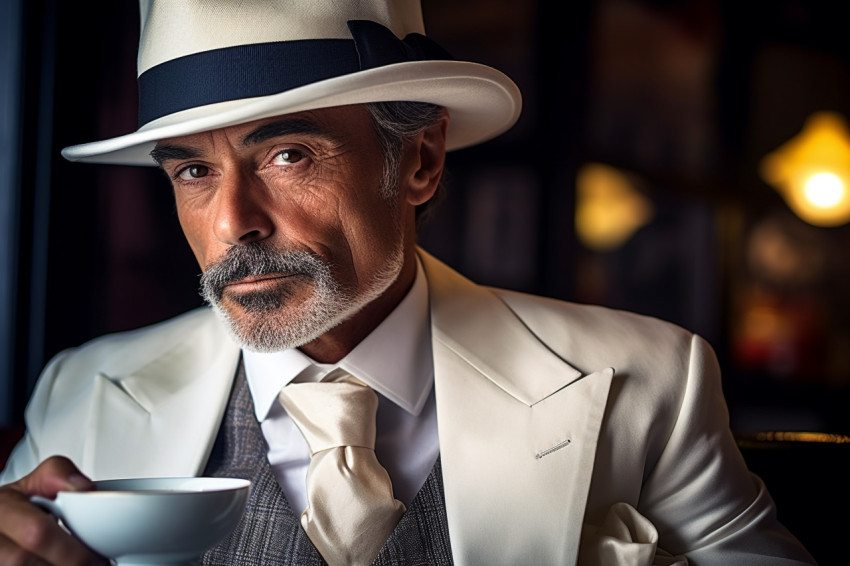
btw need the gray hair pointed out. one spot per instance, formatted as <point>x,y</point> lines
<point>395,123</point>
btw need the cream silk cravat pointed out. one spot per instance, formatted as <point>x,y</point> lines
<point>350,506</point>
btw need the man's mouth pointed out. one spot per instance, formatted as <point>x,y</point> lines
<point>257,282</point>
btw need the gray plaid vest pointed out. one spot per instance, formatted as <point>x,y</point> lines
<point>270,532</point>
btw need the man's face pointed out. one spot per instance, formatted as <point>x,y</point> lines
<point>286,218</point>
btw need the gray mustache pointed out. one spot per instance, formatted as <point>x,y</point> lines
<point>254,260</point>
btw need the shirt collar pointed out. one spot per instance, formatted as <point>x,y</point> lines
<point>394,359</point>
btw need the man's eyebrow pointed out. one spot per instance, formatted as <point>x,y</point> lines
<point>163,153</point>
<point>271,130</point>
<point>279,128</point>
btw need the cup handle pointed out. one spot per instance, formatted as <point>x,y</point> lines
<point>48,505</point>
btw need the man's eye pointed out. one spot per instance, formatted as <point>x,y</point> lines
<point>287,157</point>
<point>193,172</point>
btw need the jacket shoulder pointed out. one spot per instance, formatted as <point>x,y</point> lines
<point>124,351</point>
<point>194,336</point>
<point>170,352</point>
<point>588,335</point>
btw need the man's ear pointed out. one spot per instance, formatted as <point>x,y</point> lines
<point>428,153</point>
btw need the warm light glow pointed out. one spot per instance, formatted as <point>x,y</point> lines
<point>812,170</point>
<point>609,209</point>
<point>824,190</point>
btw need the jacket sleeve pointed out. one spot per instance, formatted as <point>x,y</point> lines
<point>700,495</point>
<point>26,454</point>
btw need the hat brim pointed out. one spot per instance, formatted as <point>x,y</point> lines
<point>481,101</point>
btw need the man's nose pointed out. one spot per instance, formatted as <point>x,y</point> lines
<point>242,210</point>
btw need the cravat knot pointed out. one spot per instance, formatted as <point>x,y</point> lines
<point>351,510</point>
<point>339,413</point>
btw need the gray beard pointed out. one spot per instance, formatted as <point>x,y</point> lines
<point>265,325</point>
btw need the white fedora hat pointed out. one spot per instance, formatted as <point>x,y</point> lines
<point>208,64</point>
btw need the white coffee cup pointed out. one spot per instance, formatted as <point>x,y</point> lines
<point>152,521</point>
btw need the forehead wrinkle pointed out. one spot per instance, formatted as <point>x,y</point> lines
<point>278,128</point>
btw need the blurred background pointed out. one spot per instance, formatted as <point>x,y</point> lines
<point>688,160</point>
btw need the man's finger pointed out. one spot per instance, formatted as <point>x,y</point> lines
<point>13,555</point>
<point>55,474</point>
<point>27,531</point>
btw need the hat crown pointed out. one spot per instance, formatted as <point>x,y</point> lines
<point>209,64</point>
<point>175,28</point>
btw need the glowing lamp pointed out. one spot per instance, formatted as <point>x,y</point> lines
<point>609,209</point>
<point>812,170</point>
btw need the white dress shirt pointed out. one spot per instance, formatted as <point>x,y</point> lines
<point>395,360</point>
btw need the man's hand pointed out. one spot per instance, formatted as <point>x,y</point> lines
<point>30,535</point>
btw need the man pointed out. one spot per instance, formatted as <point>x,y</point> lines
<point>514,429</point>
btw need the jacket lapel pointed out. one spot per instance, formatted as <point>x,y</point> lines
<point>169,408</point>
<point>518,429</point>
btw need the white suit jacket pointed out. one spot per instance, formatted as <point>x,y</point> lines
<point>560,426</point>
